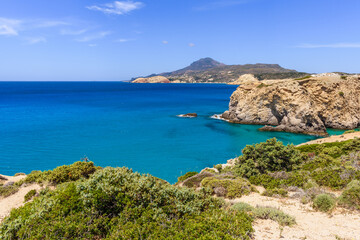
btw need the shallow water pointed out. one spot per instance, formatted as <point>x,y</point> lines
<point>47,124</point>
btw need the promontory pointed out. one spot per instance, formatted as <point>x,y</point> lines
<point>307,105</point>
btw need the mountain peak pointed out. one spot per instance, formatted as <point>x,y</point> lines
<point>203,64</point>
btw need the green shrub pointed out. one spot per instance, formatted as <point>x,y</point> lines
<point>274,214</point>
<point>8,190</point>
<point>116,203</point>
<point>275,192</point>
<point>29,195</point>
<point>62,174</point>
<point>19,174</point>
<point>186,176</point>
<point>303,78</point>
<point>194,181</point>
<point>350,197</point>
<point>233,187</point>
<point>324,202</point>
<point>350,131</point>
<point>266,181</point>
<point>269,156</point>
<point>241,206</point>
<point>341,94</point>
<point>266,213</point>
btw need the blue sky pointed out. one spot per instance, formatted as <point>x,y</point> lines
<point>89,40</point>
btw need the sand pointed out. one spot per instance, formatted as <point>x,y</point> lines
<point>16,200</point>
<point>341,224</point>
<point>334,138</point>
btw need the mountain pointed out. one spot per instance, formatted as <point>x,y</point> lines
<point>209,70</point>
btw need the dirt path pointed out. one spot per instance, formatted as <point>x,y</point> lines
<point>16,200</point>
<point>310,224</point>
<point>334,138</point>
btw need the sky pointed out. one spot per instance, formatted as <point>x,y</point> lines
<point>92,40</point>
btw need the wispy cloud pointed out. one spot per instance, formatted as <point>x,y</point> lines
<point>220,4</point>
<point>117,7</point>
<point>95,36</point>
<point>123,40</point>
<point>35,40</point>
<point>72,32</point>
<point>191,44</point>
<point>47,24</point>
<point>92,45</point>
<point>333,45</point>
<point>165,42</point>
<point>9,27</point>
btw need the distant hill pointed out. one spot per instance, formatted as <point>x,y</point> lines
<point>209,70</point>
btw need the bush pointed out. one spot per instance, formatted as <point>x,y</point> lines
<point>8,190</point>
<point>324,202</point>
<point>341,94</point>
<point>186,176</point>
<point>62,174</point>
<point>275,192</point>
<point>274,214</point>
<point>115,203</point>
<point>350,197</point>
<point>233,187</point>
<point>29,195</point>
<point>194,181</point>
<point>266,213</point>
<point>269,156</point>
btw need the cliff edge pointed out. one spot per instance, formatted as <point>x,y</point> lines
<point>308,105</point>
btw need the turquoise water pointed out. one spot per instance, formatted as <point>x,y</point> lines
<point>47,124</point>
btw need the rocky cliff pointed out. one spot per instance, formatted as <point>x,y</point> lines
<point>307,105</point>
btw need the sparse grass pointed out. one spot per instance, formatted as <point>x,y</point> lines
<point>303,78</point>
<point>324,202</point>
<point>275,192</point>
<point>341,94</point>
<point>233,188</point>
<point>19,174</point>
<point>266,213</point>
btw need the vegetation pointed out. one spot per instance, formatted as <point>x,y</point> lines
<point>275,192</point>
<point>324,202</point>
<point>303,78</point>
<point>341,94</point>
<point>266,213</point>
<point>116,203</point>
<point>230,188</point>
<point>350,197</point>
<point>29,195</point>
<point>62,174</point>
<point>186,176</point>
<point>269,156</point>
<point>8,190</point>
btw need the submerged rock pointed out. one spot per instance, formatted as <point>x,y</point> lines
<point>302,106</point>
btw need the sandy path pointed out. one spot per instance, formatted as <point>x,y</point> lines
<point>334,138</point>
<point>310,224</point>
<point>16,200</point>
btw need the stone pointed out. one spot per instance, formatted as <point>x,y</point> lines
<point>156,79</point>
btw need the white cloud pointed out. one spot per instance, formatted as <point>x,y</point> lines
<point>333,45</point>
<point>9,27</point>
<point>165,42</point>
<point>191,44</point>
<point>46,24</point>
<point>220,4</point>
<point>73,32</point>
<point>122,40</point>
<point>117,7</point>
<point>92,45</point>
<point>35,40</point>
<point>94,36</point>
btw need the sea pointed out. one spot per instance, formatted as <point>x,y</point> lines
<point>47,124</point>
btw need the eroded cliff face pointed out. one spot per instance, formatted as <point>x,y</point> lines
<point>303,106</point>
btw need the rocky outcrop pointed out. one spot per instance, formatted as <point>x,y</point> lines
<point>156,79</point>
<point>307,105</point>
<point>245,79</point>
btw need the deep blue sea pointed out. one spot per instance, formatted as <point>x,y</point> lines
<point>47,124</point>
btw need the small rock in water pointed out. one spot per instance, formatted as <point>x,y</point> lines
<point>189,115</point>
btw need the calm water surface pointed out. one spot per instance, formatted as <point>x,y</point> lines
<point>47,124</point>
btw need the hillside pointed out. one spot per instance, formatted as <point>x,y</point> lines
<point>209,70</point>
